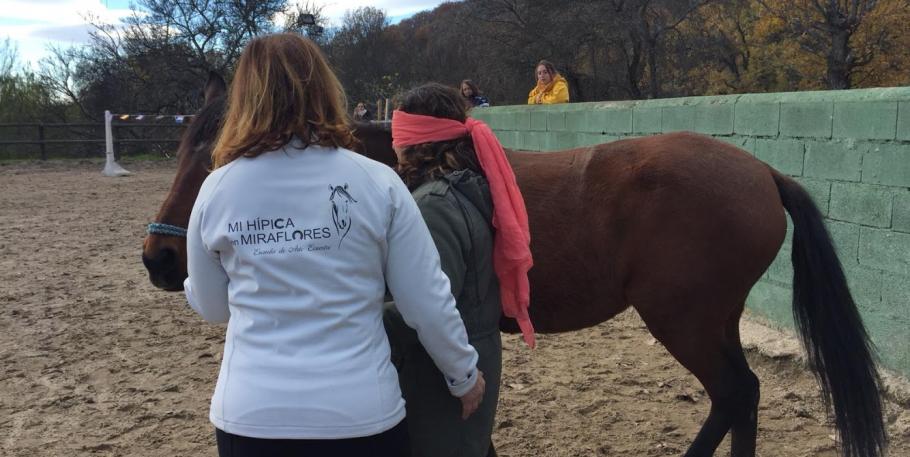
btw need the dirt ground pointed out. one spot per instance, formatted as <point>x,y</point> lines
<point>96,361</point>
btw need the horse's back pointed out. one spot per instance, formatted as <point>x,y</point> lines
<point>707,221</point>
<point>609,222</point>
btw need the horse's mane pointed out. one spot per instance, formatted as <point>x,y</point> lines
<point>202,131</point>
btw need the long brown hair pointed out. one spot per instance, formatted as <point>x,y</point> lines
<point>424,162</point>
<point>474,90</point>
<point>551,69</point>
<point>283,87</point>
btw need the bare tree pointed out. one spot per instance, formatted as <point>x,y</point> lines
<point>215,30</point>
<point>58,73</point>
<point>9,57</point>
<point>360,50</point>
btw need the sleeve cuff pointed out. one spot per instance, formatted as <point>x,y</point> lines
<point>459,388</point>
<point>188,291</point>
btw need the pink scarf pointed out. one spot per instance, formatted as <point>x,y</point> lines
<point>511,247</point>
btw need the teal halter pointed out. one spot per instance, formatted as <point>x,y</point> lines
<point>156,228</point>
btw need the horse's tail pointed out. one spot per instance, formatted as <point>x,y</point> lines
<point>838,347</point>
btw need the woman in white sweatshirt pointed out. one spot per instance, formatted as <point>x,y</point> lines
<point>292,240</point>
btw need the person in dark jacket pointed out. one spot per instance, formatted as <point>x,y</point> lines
<point>472,94</point>
<point>454,196</point>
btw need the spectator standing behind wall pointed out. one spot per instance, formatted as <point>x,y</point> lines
<point>361,113</point>
<point>472,94</point>
<point>551,87</point>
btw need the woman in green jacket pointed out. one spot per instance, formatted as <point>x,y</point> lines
<point>454,197</point>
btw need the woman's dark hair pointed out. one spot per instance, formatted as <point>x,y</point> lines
<point>474,90</point>
<point>425,162</point>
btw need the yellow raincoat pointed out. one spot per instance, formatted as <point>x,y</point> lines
<point>555,92</point>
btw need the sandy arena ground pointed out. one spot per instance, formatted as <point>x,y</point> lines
<point>96,361</point>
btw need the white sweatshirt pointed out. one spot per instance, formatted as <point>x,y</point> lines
<point>293,249</point>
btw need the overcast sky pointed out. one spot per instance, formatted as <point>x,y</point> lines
<point>34,24</point>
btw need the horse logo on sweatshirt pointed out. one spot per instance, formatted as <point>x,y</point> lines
<point>341,210</point>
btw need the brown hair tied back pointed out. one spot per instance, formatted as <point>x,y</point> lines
<point>425,162</point>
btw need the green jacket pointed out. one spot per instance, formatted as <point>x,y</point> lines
<point>458,211</point>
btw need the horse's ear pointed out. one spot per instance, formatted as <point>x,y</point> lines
<point>214,87</point>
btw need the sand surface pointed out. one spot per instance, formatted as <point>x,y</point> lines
<point>96,361</point>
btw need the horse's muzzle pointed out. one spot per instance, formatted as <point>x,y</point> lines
<point>164,271</point>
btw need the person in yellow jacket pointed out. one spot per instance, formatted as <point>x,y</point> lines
<point>551,86</point>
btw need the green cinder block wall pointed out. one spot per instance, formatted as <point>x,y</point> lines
<point>849,149</point>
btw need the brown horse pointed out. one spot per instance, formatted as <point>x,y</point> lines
<point>678,226</point>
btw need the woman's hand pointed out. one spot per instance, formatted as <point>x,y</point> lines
<point>471,400</point>
<point>538,98</point>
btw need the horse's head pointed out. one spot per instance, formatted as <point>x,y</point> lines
<point>164,249</point>
<point>342,195</point>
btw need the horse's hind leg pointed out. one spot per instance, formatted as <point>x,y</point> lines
<point>744,430</point>
<point>703,343</point>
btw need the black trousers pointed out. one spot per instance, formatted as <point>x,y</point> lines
<point>391,443</point>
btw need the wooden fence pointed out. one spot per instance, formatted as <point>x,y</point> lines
<point>86,139</point>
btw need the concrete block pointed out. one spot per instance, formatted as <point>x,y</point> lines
<point>617,120</point>
<point>526,142</point>
<point>576,121</point>
<point>834,160</point>
<point>784,155</point>
<point>714,118</point>
<point>865,285</point>
<point>820,190</point>
<point>521,121</point>
<point>889,337</point>
<point>591,139</point>
<point>539,120</point>
<point>846,241</point>
<point>646,119</point>
<point>595,122</point>
<point>550,142</point>
<point>536,138</point>
<point>556,121</point>
<point>781,269</point>
<point>772,301</point>
<point>896,295</point>
<point>888,323</point>
<point>743,142</point>
<point>566,140</point>
<point>900,212</point>
<point>806,119</point>
<point>758,119</point>
<point>509,139</point>
<point>862,204</point>
<point>490,117</point>
<point>885,249</point>
<point>865,120</point>
<point>677,118</point>
<point>903,121</point>
<point>887,164</point>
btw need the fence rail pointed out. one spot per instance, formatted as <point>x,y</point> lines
<point>41,129</point>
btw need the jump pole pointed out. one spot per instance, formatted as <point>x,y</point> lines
<point>111,167</point>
